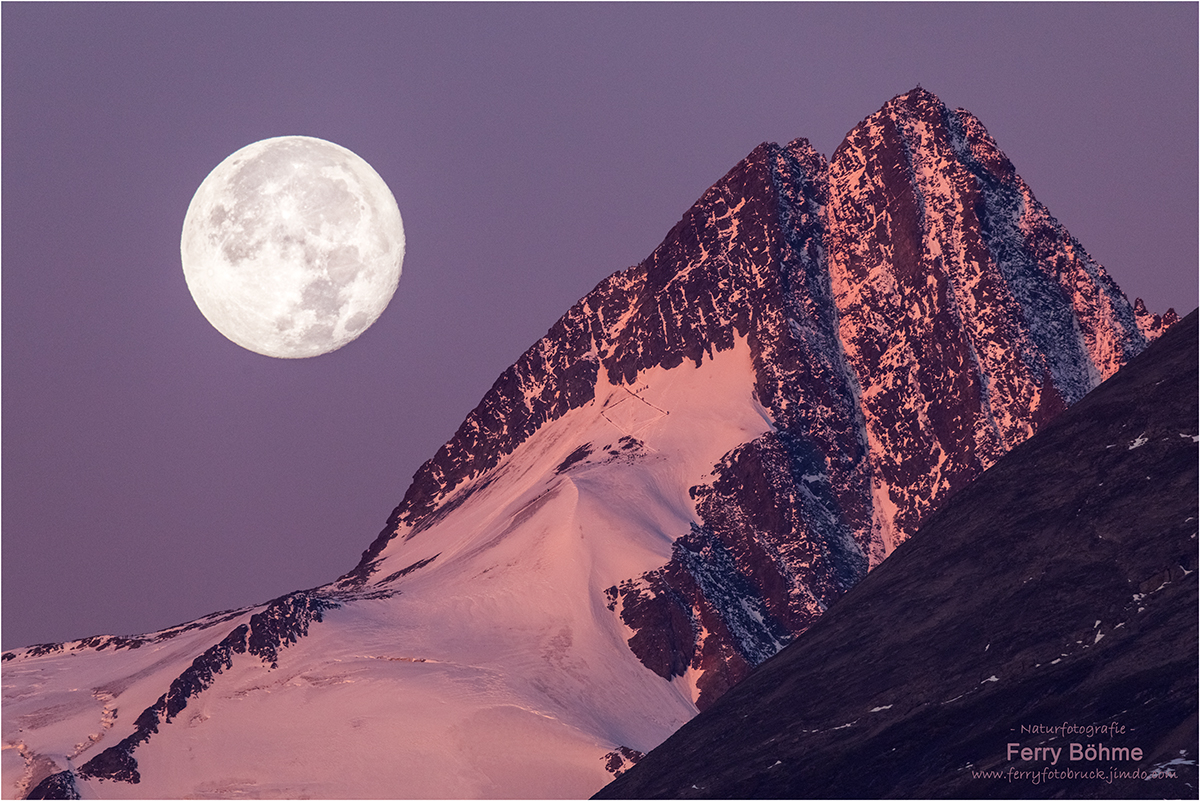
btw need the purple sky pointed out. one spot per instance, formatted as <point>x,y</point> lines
<point>154,472</point>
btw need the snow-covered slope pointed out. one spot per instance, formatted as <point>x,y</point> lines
<point>699,457</point>
<point>481,661</point>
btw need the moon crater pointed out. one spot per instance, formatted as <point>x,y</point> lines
<point>292,246</point>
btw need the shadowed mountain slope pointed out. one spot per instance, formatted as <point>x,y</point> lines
<point>1057,589</point>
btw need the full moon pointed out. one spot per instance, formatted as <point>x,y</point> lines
<point>292,247</point>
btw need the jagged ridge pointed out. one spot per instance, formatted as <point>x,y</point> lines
<point>281,622</point>
<point>913,312</point>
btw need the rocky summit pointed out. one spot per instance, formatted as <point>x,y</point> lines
<point>1036,638</point>
<point>697,461</point>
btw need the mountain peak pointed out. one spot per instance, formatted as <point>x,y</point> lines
<point>692,465</point>
<point>917,98</point>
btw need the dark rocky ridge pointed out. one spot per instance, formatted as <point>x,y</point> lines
<point>1060,587</point>
<point>912,313</point>
<point>280,623</point>
<point>59,785</point>
<point>118,642</point>
<point>117,762</point>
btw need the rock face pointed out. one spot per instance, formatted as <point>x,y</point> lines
<point>695,462</point>
<point>912,311</point>
<point>1051,602</point>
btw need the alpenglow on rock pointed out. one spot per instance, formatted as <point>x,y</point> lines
<point>698,459</point>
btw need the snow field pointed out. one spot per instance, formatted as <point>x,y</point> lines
<point>488,672</point>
